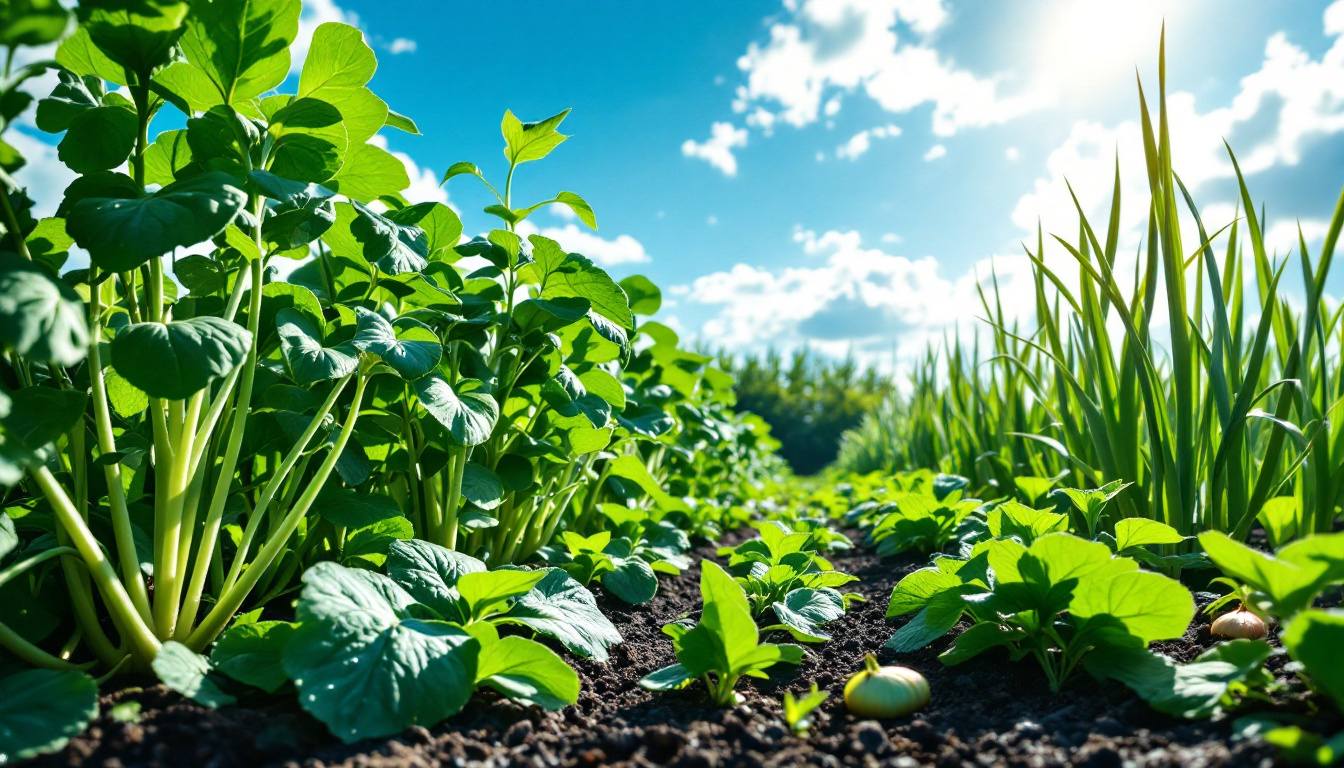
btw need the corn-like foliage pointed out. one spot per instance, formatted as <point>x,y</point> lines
<point>1200,378</point>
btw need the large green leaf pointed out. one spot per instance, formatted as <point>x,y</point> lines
<point>430,573</point>
<point>1147,605</point>
<point>804,611</point>
<point>364,666</point>
<point>100,127</point>
<point>351,509</point>
<point>337,58</point>
<point>242,46</point>
<point>489,592</point>
<point>370,172</point>
<point>122,234</point>
<point>176,360</point>
<point>632,580</point>
<point>563,608</point>
<point>254,654</point>
<point>187,672</point>
<point>394,248</point>
<point>440,224</point>
<point>38,415</point>
<point>41,709</point>
<point>468,416</point>
<point>645,298</point>
<point>137,34</point>
<point>311,141</point>
<point>525,670</point>
<point>309,360</point>
<point>1291,578</point>
<point>1314,638</point>
<point>531,141</point>
<point>40,317</point>
<point>578,276</point>
<point>410,348</point>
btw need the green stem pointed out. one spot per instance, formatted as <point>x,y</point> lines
<point>232,599</point>
<point>119,604</point>
<point>207,545</point>
<point>122,531</point>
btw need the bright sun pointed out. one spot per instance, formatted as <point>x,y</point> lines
<point>1082,42</point>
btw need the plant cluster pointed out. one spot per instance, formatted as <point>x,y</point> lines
<point>1056,599</point>
<point>723,646</point>
<point>784,571</point>
<point>184,437</point>
<point>1214,403</point>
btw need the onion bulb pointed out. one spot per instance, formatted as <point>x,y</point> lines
<point>883,692</point>
<point>1240,623</point>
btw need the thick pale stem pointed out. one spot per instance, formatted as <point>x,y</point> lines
<point>457,465</point>
<point>143,642</point>
<point>277,481</point>
<point>210,533</point>
<point>232,599</point>
<point>168,569</point>
<point>122,531</point>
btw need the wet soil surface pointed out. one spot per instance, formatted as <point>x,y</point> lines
<point>989,711</point>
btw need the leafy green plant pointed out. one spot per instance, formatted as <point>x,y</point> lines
<point>370,655</point>
<point>613,563</point>
<point>1283,584</point>
<point>798,711</point>
<point>1223,421</point>
<point>41,709</point>
<point>190,420</point>
<point>1057,600</point>
<point>924,523</point>
<point>783,571</point>
<point>723,646</point>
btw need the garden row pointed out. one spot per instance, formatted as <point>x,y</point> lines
<point>345,484</point>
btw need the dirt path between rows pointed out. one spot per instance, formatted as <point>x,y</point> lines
<point>989,711</point>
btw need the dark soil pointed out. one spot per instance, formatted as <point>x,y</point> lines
<point>989,711</point>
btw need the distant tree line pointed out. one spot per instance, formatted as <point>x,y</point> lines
<point>808,399</point>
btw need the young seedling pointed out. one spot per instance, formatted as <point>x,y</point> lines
<point>723,646</point>
<point>798,711</point>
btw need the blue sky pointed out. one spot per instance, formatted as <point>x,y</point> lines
<point>838,173</point>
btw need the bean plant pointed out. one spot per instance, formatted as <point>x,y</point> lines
<point>186,438</point>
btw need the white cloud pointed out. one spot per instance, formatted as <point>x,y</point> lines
<point>861,142</point>
<point>1291,100</point>
<point>892,238</point>
<point>1012,153</point>
<point>607,253</point>
<point>842,45</point>
<point>402,45</point>
<point>44,174</point>
<point>935,152</point>
<point>424,181</point>
<point>718,149</point>
<point>562,212</point>
<point>712,220</point>
<point>860,299</point>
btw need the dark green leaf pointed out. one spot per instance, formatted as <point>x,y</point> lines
<point>122,234</point>
<point>41,710</point>
<point>176,360</point>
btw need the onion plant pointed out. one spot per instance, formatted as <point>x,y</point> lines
<point>1194,379</point>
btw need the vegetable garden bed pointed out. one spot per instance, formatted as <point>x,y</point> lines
<point>986,711</point>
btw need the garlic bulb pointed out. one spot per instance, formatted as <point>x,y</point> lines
<point>1240,623</point>
<point>883,692</point>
